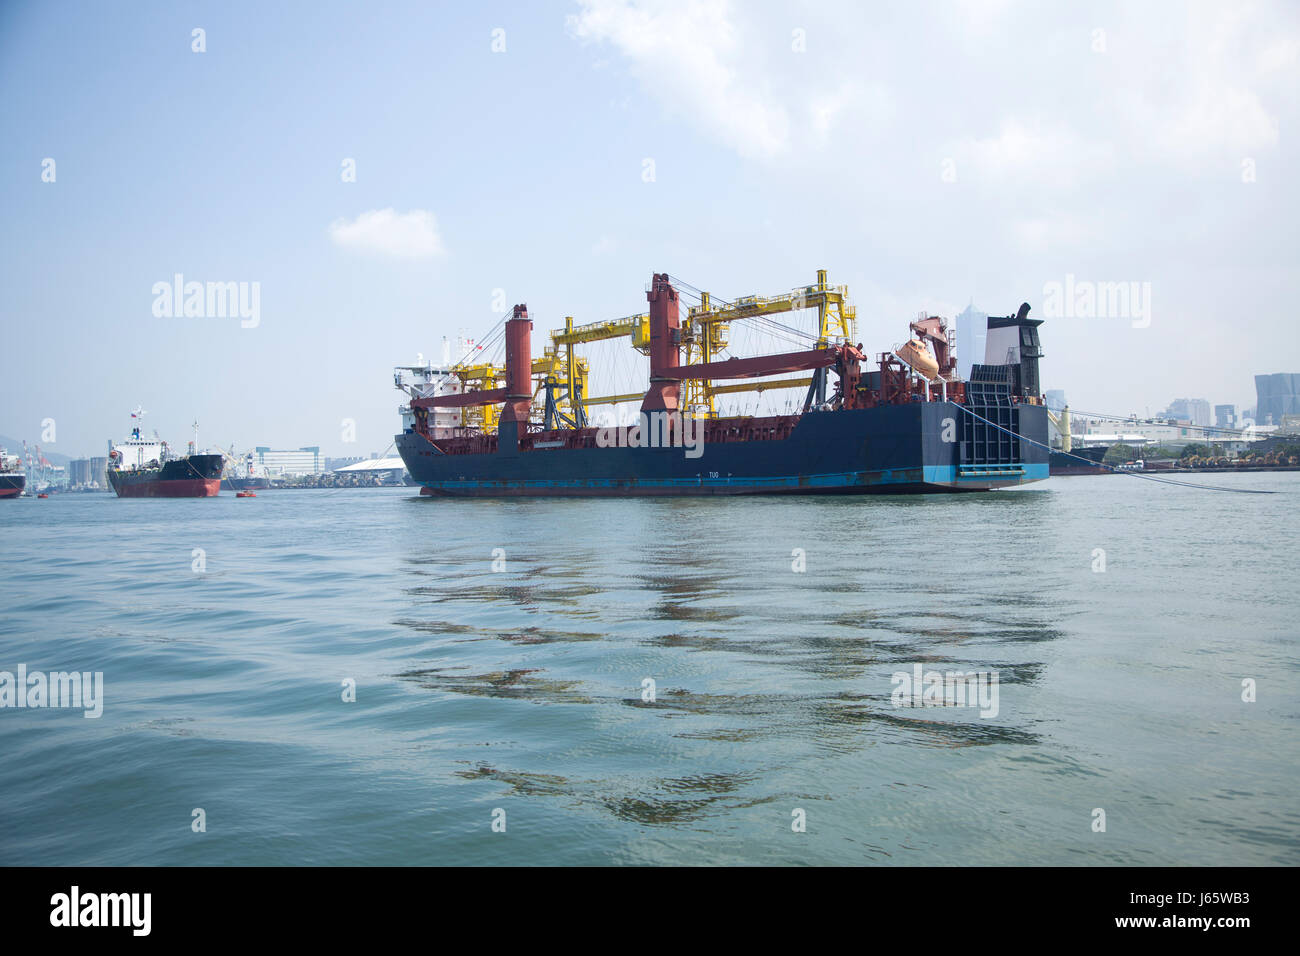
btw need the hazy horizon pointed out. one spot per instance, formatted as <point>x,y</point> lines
<point>384,178</point>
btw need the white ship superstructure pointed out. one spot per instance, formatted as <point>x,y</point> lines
<point>427,381</point>
<point>137,453</point>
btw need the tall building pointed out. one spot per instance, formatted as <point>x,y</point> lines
<point>1278,395</point>
<point>1055,399</point>
<point>1194,410</point>
<point>972,331</point>
<point>304,461</point>
<point>79,472</point>
<point>1225,416</point>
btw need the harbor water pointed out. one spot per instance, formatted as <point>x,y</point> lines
<point>671,681</point>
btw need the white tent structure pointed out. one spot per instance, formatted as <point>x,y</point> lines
<point>372,465</point>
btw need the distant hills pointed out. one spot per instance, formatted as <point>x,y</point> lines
<point>15,447</point>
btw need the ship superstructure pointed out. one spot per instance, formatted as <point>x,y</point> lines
<point>908,424</point>
<point>426,381</point>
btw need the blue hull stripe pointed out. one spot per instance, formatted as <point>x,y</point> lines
<point>942,477</point>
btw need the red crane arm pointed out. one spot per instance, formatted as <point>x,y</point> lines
<point>757,366</point>
<point>492,396</point>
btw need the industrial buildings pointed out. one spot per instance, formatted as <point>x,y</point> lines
<point>87,473</point>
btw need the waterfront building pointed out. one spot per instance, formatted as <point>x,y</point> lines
<point>303,461</point>
<point>1175,434</point>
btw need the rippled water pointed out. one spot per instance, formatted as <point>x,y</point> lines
<point>522,689</point>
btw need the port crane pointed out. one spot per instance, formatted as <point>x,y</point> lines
<point>561,375</point>
<point>706,331</point>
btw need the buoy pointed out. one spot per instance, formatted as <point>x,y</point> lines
<point>42,495</point>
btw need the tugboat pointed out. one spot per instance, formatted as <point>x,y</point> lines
<point>12,478</point>
<point>146,468</point>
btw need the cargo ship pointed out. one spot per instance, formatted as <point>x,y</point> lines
<point>243,474</point>
<point>145,468</point>
<point>12,477</point>
<point>1079,461</point>
<point>908,425</point>
<point>1065,459</point>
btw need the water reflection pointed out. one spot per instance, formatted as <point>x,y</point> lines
<point>745,653</point>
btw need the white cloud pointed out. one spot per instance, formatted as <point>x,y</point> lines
<point>688,55</point>
<point>404,235</point>
<point>1056,231</point>
<point>981,16</point>
<point>1280,55</point>
<point>1025,151</point>
<point>1215,95</point>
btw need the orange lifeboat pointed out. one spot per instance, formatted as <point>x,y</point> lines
<point>916,355</point>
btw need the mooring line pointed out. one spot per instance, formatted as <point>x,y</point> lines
<point>1120,471</point>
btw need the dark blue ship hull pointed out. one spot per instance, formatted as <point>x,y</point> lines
<point>12,484</point>
<point>891,449</point>
<point>229,483</point>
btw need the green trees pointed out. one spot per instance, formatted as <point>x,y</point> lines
<point>1119,453</point>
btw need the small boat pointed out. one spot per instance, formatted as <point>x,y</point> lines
<point>245,494</point>
<point>42,495</point>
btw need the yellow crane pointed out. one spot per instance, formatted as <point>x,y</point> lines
<point>562,376</point>
<point>1062,423</point>
<point>706,329</point>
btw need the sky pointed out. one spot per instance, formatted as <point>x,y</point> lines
<point>386,174</point>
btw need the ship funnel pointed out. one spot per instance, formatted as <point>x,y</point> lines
<point>665,345</point>
<point>1013,340</point>
<point>519,366</point>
